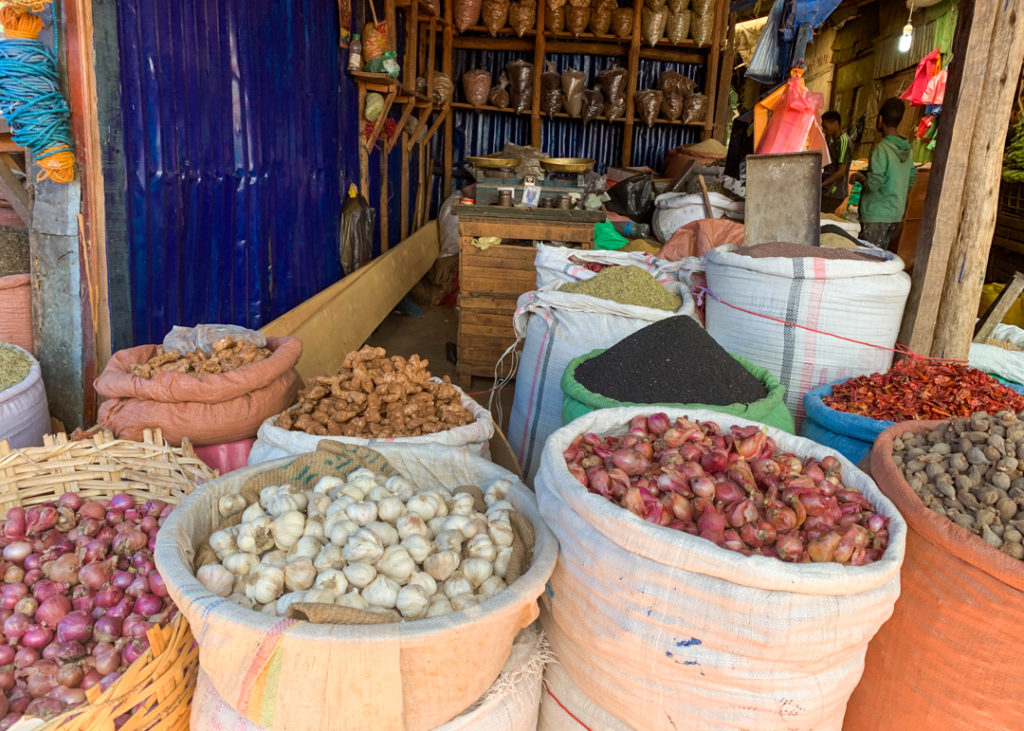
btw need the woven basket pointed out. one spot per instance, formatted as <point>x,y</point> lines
<point>157,688</point>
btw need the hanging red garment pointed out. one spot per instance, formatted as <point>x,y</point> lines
<point>924,125</point>
<point>927,68</point>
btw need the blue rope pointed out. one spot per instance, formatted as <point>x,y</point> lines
<point>30,96</point>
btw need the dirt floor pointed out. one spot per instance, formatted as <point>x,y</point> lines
<point>402,334</point>
<point>14,258</point>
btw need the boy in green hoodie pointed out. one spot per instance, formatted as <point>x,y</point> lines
<point>888,180</point>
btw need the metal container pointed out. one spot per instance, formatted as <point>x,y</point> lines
<point>783,199</point>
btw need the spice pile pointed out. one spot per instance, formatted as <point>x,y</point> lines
<point>971,471</point>
<point>802,251</point>
<point>673,361</point>
<point>80,591</point>
<point>733,488</point>
<point>14,366</point>
<point>374,396</point>
<point>627,285</point>
<point>370,543</point>
<point>919,390</point>
<point>227,354</point>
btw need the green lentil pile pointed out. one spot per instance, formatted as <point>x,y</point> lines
<point>14,366</point>
<point>626,285</point>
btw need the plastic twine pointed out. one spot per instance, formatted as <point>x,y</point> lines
<point>30,96</point>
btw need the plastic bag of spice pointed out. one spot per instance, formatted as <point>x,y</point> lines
<point>613,82</point>
<point>695,109</point>
<point>673,82</point>
<point>573,82</point>
<point>579,3</point>
<point>554,18</point>
<point>703,7</point>
<point>555,4</point>
<point>499,94</point>
<point>678,6</point>
<point>677,26</point>
<point>672,106</point>
<point>476,85</point>
<point>576,20</point>
<point>654,4</point>
<point>601,15</point>
<point>495,15</point>
<point>649,103</point>
<point>622,22</point>
<point>520,74</point>
<point>653,22</point>
<point>701,25</point>
<point>375,41</point>
<point>443,88</point>
<point>466,13</point>
<point>522,16</point>
<point>593,104</point>
<point>550,90</point>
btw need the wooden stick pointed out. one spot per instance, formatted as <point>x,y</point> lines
<point>704,194</point>
<point>998,309</point>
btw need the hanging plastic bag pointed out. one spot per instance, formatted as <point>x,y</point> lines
<point>927,67</point>
<point>695,109</point>
<point>495,15</point>
<point>622,23</point>
<point>520,73</point>
<point>554,18</point>
<point>576,19</point>
<point>702,26</point>
<point>466,13</point>
<point>375,41</point>
<point>613,82</point>
<point>792,119</point>
<point>672,106</point>
<point>499,94</point>
<point>678,6</point>
<point>633,198</point>
<point>601,16</point>
<point>573,82</point>
<point>522,16</point>
<point>386,63</point>
<point>677,27</point>
<point>550,90</point>
<point>443,88</point>
<point>372,106</point>
<point>936,90</point>
<point>356,231</point>
<point>476,85</point>
<point>673,82</point>
<point>764,64</point>
<point>653,24</point>
<point>593,104</point>
<point>648,103</point>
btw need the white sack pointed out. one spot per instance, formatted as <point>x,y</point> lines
<point>24,414</point>
<point>554,265</point>
<point>1007,364</point>
<point>672,211</point>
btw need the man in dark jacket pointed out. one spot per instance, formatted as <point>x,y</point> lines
<point>834,188</point>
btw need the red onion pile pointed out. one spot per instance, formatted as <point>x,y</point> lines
<point>79,592</point>
<point>733,488</point>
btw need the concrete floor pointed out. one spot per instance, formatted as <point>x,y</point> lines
<point>402,334</point>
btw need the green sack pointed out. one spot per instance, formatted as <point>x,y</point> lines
<point>607,238</point>
<point>770,410</point>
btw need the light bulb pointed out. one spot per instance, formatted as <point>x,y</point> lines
<point>906,39</point>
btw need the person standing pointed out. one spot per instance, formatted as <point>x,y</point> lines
<point>834,186</point>
<point>888,179</point>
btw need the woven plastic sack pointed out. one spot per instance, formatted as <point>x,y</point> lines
<point>24,414</point>
<point>557,327</point>
<point>375,40</point>
<point>706,637</point>
<point>1007,364</point>
<point>859,300</point>
<point>573,82</point>
<point>554,18</point>
<point>702,26</point>
<point>648,104</point>
<point>576,19</point>
<point>476,85</point>
<point>466,13</point>
<point>16,311</point>
<point>593,104</point>
<point>495,15</point>
<point>601,15</point>
<point>622,23</point>
<point>695,108</point>
<point>286,674</point>
<point>675,210</point>
<point>677,26</point>
<point>653,22</point>
<point>564,707</point>
<point>561,264</point>
<point>771,410</point>
<point>499,94</point>
<point>520,74</point>
<point>678,6</point>
<point>522,16</point>
<point>950,656</point>
<point>273,442</point>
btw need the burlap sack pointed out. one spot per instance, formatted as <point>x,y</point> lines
<point>16,311</point>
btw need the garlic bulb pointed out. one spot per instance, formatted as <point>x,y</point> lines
<point>228,505</point>
<point>268,492</point>
<point>501,533</point>
<point>223,542</point>
<point>400,487</point>
<point>390,509</point>
<point>329,557</point>
<point>441,565</point>
<point>501,562</point>
<point>242,600</point>
<point>314,529</point>
<point>299,574</point>
<point>440,506</point>
<point>254,536</point>
<point>377,493</point>
<point>318,505</point>
<point>362,473</point>
<point>240,564</point>
<point>320,596</point>
<point>462,504</point>
<point>418,547</point>
<point>491,587</point>
<point>425,581</point>
<point>456,523</point>
<point>286,600</point>
<point>331,580</point>
<point>362,513</point>
<point>449,540</point>
<point>364,545</point>
<point>396,563</point>
<point>412,524</point>
<point>354,491</point>
<point>285,501</point>
<point>264,584</point>
<point>352,599</point>
<point>422,505</point>
<point>287,528</point>
<point>216,578</point>
<point>340,531</point>
<point>277,557</point>
<point>436,525</point>
<point>386,532</point>
<point>307,546</point>
<point>382,592</point>
<point>253,512</point>
<point>476,570</point>
<point>327,483</point>
<point>495,509</point>
<point>339,505</point>
<point>439,605</point>
<point>474,527</point>
<point>412,602</point>
<point>360,574</point>
<point>457,584</point>
<point>497,490</point>
<point>464,601</point>
<point>480,546</point>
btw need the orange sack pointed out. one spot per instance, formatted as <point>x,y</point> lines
<point>950,656</point>
<point>220,407</point>
<point>16,311</point>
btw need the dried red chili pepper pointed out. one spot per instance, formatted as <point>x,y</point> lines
<point>917,389</point>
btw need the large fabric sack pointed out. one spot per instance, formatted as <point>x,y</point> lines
<point>554,265</point>
<point>564,707</point>
<point>559,326</point>
<point>672,211</point>
<point>273,442</point>
<point>220,407</point>
<point>16,311</point>
<point>665,630</point>
<point>770,410</point>
<point>289,675</point>
<point>809,301</point>
<point>950,656</point>
<point>24,414</point>
<point>1007,364</point>
<point>510,704</point>
<point>699,237</point>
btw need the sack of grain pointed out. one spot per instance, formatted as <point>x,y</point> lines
<point>1002,355</point>
<point>561,264</point>
<point>24,414</point>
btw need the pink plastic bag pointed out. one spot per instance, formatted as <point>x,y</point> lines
<point>928,68</point>
<point>792,119</point>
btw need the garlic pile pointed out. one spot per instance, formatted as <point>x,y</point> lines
<point>369,542</point>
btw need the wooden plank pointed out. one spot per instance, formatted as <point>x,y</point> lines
<point>449,126</point>
<point>998,309</point>
<point>499,332</point>
<point>383,212</point>
<point>487,303</point>
<point>538,68</point>
<point>721,111</point>
<point>529,230</point>
<point>632,76</point>
<point>485,319</point>
<point>497,344</point>
<point>1000,24</point>
<point>13,190</point>
<point>498,285</point>
<point>714,56</point>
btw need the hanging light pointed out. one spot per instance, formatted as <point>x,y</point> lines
<point>907,38</point>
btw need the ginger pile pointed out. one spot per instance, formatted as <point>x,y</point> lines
<point>374,396</point>
<point>228,354</point>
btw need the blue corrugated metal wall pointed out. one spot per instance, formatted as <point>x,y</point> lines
<point>234,114</point>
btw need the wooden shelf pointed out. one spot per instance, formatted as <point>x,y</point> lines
<point>482,32</point>
<point>563,115</point>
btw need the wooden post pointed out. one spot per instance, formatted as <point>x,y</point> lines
<point>978,62</point>
<point>633,64</point>
<point>539,56</point>
<point>449,122</point>
<point>721,110</point>
<point>998,309</point>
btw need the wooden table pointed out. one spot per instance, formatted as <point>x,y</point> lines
<point>491,280</point>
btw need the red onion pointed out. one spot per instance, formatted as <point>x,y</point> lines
<point>19,700</point>
<point>121,501</point>
<point>17,551</point>
<point>108,680</point>
<point>4,614</point>
<point>711,521</point>
<point>93,509</point>
<point>122,562</point>
<point>876,522</point>
<point>148,605</point>
<point>46,588</point>
<point>136,626</point>
<point>52,610</point>
<point>728,492</point>
<point>107,596</point>
<point>106,534</point>
<point>122,609</point>
<point>97,612</point>
<point>14,525</point>
<point>134,650</point>
<point>148,524</point>
<point>742,512</point>
<point>40,518</point>
<point>69,693</point>
<point>789,546</point>
<point>138,587</point>
<point>11,594</point>
<point>107,629</point>
<point>6,677</point>
<point>14,574</point>
<point>630,461</point>
<point>45,708</point>
<point>67,651</point>
<point>113,517</point>
<point>142,561</point>
<point>122,579</point>
<point>75,627</point>
<point>90,678</point>
<point>70,500</point>
<point>26,656</point>
<point>66,519</point>
<point>33,561</point>
<point>6,654</point>
<point>703,486</point>
<point>95,550</point>
<point>88,527</point>
<point>27,606</point>
<point>157,585</point>
<point>95,575</point>
<point>165,511</point>
<point>31,577</point>
<point>37,636</point>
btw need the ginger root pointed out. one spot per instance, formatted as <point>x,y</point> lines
<point>228,355</point>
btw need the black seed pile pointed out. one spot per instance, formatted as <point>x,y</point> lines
<point>673,361</point>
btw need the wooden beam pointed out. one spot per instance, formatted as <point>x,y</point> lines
<point>13,190</point>
<point>998,309</point>
<point>721,111</point>
<point>1000,27</point>
<point>449,122</point>
<point>536,123</point>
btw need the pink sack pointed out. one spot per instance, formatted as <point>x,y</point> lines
<point>699,237</point>
<point>16,311</point>
<point>927,68</point>
<point>792,119</point>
